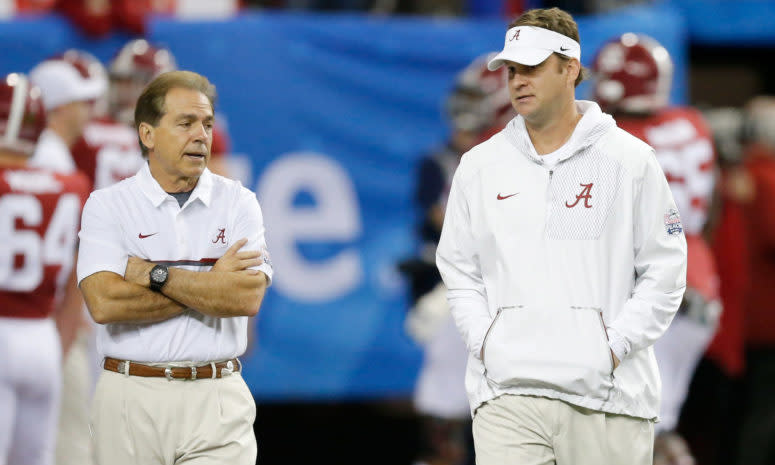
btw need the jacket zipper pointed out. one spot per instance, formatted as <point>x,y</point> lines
<point>549,197</point>
<point>549,186</point>
<point>610,355</point>
<point>487,334</point>
<point>605,333</point>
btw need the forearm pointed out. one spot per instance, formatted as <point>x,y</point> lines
<point>644,319</point>
<point>111,299</point>
<point>216,293</point>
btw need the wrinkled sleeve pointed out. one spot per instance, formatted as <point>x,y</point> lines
<point>101,240</point>
<point>250,225</point>
<point>660,265</point>
<point>458,263</point>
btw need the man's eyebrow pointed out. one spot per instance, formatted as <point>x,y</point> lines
<point>192,116</point>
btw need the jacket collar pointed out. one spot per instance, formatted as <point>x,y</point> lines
<point>154,192</point>
<point>592,125</point>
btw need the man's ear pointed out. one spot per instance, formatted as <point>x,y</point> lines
<point>145,131</point>
<point>574,70</point>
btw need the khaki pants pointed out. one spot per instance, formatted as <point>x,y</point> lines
<point>526,430</point>
<point>153,421</point>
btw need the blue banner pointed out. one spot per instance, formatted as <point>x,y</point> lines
<point>332,113</point>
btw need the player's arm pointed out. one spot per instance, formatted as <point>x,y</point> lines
<point>112,299</point>
<point>69,314</point>
<point>230,288</point>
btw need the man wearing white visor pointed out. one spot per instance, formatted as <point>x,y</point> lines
<point>565,259</point>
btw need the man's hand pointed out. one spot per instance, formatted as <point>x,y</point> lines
<point>138,271</point>
<point>233,260</point>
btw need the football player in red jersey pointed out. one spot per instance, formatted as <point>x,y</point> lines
<point>109,151</point>
<point>633,80</point>
<point>39,217</point>
<point>69,90</point>
<point>71,84</point>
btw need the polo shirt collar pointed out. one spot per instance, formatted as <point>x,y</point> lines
<point>204,188</point>
<point>157,195</point>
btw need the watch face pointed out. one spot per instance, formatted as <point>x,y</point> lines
<point>158,274</point>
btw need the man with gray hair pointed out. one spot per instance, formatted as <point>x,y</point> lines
<point>172,263</point>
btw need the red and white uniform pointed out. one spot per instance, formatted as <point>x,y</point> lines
<point>107,153</point>
<point>684,149</point>
<point>39,217</point>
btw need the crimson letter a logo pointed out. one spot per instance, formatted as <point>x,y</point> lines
<point>221,237</point>
<point>585,194</point>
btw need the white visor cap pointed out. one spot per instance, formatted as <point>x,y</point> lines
<point>61,83</point>
<point>530,45</point>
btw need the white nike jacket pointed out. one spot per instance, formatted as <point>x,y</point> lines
<point>541,265</point>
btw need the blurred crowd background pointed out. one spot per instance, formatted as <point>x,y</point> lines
<point>347,117</point>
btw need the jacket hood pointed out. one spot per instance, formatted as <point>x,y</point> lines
<point>593,124</point>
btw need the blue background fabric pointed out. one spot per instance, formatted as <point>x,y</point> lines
<point>331,114</point>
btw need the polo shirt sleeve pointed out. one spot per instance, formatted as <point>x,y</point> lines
<point>249,223</point>
<point>101,240</point>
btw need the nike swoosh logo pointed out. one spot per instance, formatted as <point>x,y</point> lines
<point>563,49</point>
<point>501,197</point>
<point>143,236</point>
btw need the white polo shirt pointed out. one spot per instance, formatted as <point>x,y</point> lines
<point>135,217</point>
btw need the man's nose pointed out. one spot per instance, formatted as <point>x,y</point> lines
<point>201,133</point>
<point>517,80</point>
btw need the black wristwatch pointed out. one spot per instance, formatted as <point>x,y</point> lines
<point>158,276</point>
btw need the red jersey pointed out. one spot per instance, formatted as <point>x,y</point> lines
<point>39,216</point>
<point>109,151</point>
<point>684,148</point>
